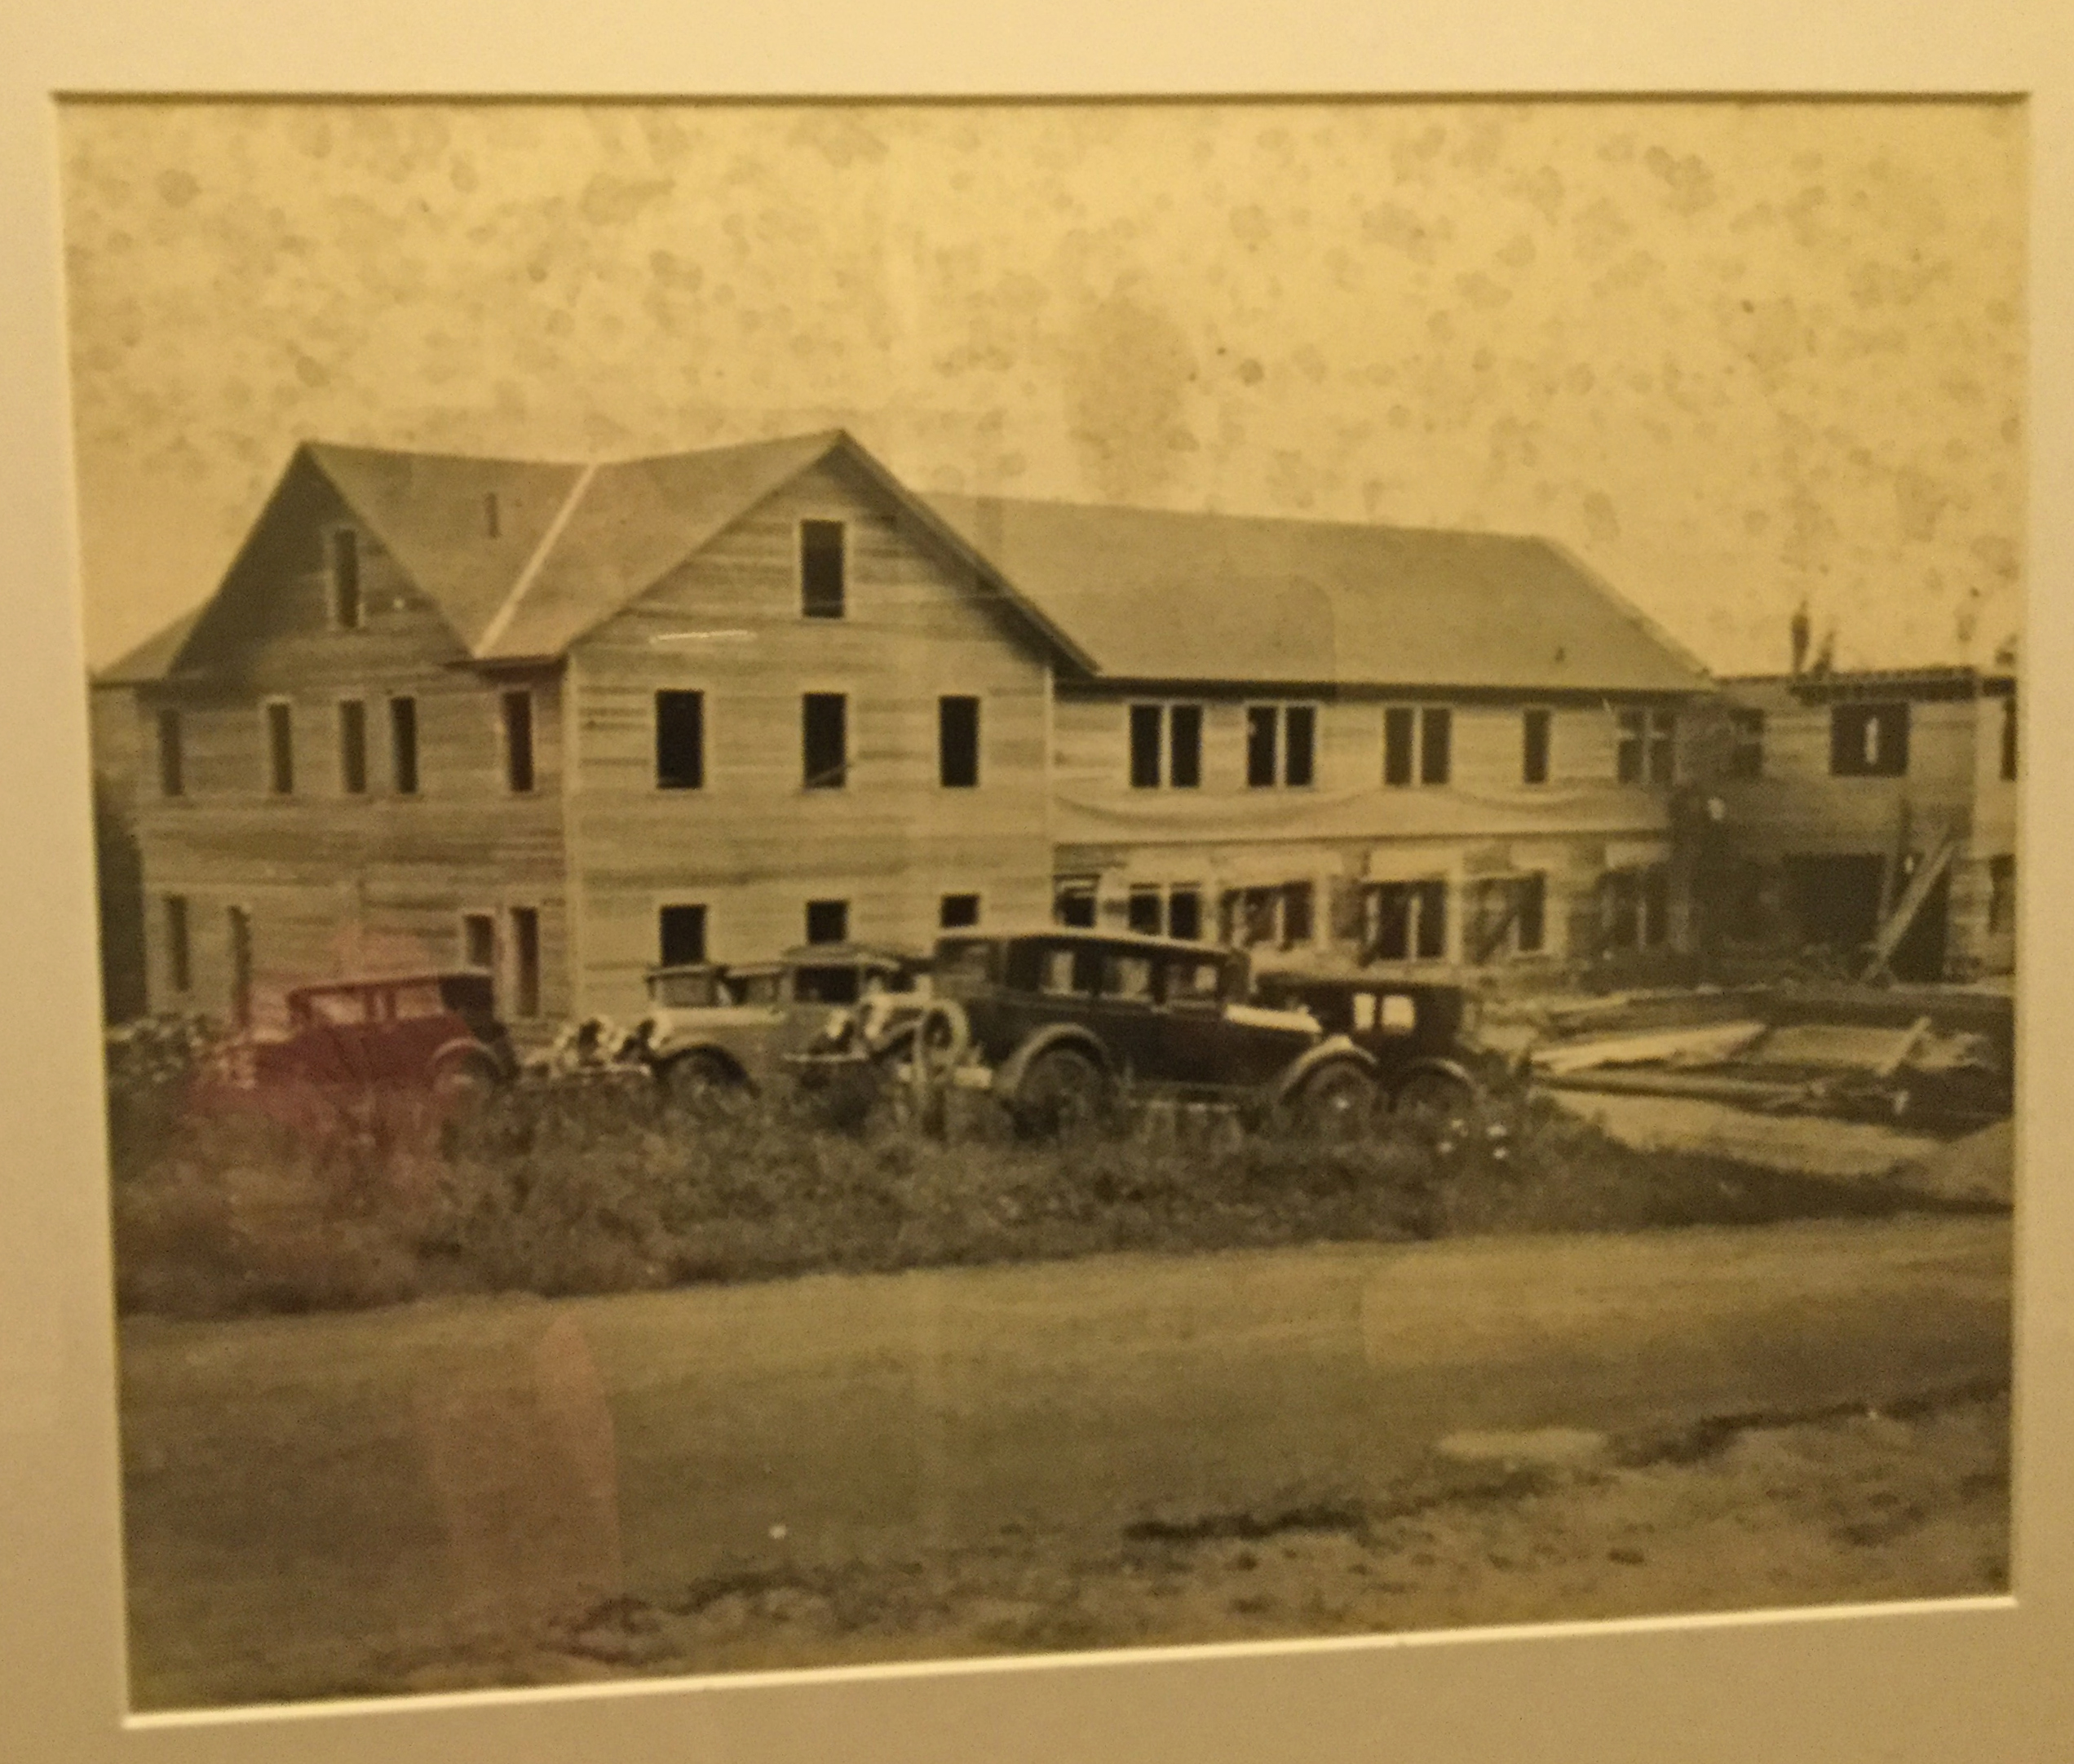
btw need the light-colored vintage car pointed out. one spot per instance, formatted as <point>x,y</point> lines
<point>709,1028</point>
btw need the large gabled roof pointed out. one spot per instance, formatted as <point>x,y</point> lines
<point>1154,595</point>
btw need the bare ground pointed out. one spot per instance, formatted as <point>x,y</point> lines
<point>1839,1509</point>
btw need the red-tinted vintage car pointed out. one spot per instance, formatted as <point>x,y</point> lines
<point>436,1030</point>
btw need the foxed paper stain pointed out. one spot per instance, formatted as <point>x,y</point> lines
<point>1738,355</point>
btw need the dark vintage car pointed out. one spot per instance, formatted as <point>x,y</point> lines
<point>1056,1023</point>
<point>711,1028</point>
<point>436,1029</point>
<point>1422,1034</point>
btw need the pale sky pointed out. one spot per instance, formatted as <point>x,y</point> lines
<point>1731,354</point>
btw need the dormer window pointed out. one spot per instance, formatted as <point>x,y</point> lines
<point>346,606</point>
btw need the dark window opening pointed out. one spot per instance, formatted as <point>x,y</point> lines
<point>1400,738</point>
<point>1869,740</point>
<point>352,747</point>
<point>682,934</point>
<point>2001,895</point>
<point>821,585</point>
<point>957,743</point>
<point>825,740</point>
<point>1532,926</point>
<point>1746,750</point>
<point>1298,915</point>
<point>240,924</point>
<point>1144,747</point>
<point>525,958</point>
<point>478,942</point>
<point>2009,736</point>
<point>1299,756</point>
<point>1435,745</point>
<point>1148,911</point>
<point>1073,903</point>
<point>179,954</point>
<point>172,755</point>
<point>958,911</point>
<point>680,740</point>
<point>1184,913</point>
<point>1663,746</point>
<point>1260,745</point>
<point>1628,755</point>
<point>1409,922</point>
<point>1534,746</point>
<point>828,921</point>
<point>346,603</point>
<point>280,749</point>
<point>1185,758</point>
<point>403,744</point>
<point>518,741</point>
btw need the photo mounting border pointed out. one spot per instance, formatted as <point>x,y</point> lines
<point>1981,1678</point>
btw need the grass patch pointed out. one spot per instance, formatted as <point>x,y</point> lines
<point>228,1201</point>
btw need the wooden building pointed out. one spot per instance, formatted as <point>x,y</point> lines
<point>1845,796</point>
<point>563,722</point>
<point>1367,744</point>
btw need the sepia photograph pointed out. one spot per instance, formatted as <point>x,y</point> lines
<point>911,882</point>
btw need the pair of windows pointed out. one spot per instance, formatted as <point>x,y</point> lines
<point>1637,908</point>
<point>1175,912</point>
<point>1166,746</point>
<point>1282,915</point>
<point>823,739</point>
<point>1417,745</point>
<point>1407,921</point>
<point>479,950</point>
<point>1647,749</point>
<point>1506,915</point>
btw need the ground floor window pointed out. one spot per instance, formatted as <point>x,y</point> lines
<point>1506,916</point>
<point>1636,907</point>
<point>525,962</point>
<point>1072,901</point>
<point>479,941</point>
<point>681,934</point>
<point>1164,910</point>
<point>1407,922</point>
<point>1275,916</point>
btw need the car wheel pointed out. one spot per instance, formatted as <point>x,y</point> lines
<point>1438,1102</point>
<point>1337,1104</point>
<point>697,1081</point>
<point>470,1074</point>
<point>1062,1094</point>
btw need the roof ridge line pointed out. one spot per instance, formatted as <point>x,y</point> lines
<point>502,618</point>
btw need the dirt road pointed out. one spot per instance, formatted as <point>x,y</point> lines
<point>318,1504</point>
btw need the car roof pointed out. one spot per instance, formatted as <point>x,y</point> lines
<point>827,955</point>
<point>1363,977</point>
<point>411,977</point>
<point>1144,940</point>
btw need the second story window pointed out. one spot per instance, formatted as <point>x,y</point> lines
<point>352,747</point>
<point>172,754</point>
<point>680,740</point>
<point>347,606</point>
<point>1417,744</point>
<point>1166,745</point>
<point>2009,736</point>
<point>1869,740</point>
<point>1534,746</point>
<point>1746,744</point>
<point>822,571</point>
<point>1281,746</point>
<point>957,743</point>
<point>280,749</point>
<point>1647,751</point>
<point>403,745</point>
<point>518,741</point>
<point>825,740</point>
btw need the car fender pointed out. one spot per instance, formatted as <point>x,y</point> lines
<point>1334,1050</point>
<point>1434,1065</point>
<point>1008,1078</point>
<point>465,1050</point>
<point>717,1051</point>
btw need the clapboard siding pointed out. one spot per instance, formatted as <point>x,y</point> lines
<point>753,844</point>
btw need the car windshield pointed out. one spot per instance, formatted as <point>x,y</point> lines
<point>684,991</point>
<point>334,1007</point>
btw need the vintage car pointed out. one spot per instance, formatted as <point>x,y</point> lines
<point>436,1029</point>
<point>709,1028</point>
<point>1422,1034</point>
<point>1056,1023</point>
